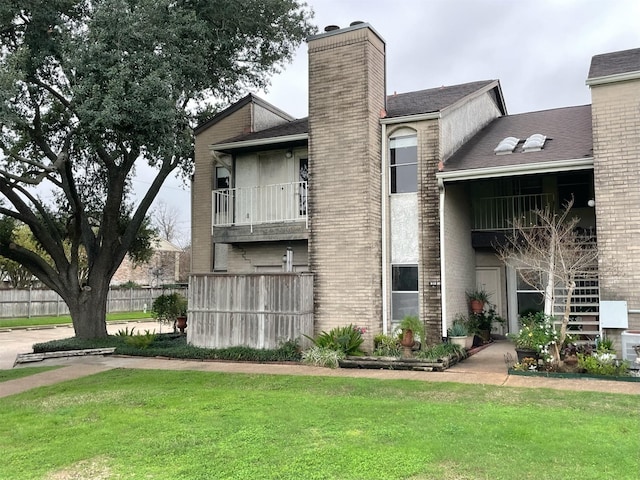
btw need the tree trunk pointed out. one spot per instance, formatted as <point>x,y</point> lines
<point>89,312</point>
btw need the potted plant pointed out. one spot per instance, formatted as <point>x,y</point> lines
<point>481,323</point>
<point>411,328</point>
<point>536,337</point>
<point>169,308</point>
<point>477,299</point>
<point>458,333</point>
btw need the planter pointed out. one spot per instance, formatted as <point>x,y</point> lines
<point>477,306</point>
<point>485,335</point>
<point>468,343</point>
<point>523,353</point>
<point>181,323</point>
<point>461,341</point>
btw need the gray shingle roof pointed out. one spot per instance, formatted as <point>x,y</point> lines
<point>606,64</point>
<point>568,131</point>
<point>398,105</point>
<point>431,100</point>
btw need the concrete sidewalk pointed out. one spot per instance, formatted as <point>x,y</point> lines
<point>486,367</point>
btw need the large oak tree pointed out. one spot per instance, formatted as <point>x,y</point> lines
<point>90,89</point>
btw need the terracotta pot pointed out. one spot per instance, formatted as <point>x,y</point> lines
<point>407,339</point>
<point>181,323</point>
<point>476,306</point>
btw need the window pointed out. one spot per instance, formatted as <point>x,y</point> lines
<point>222,178</point>
<point>404,291</point>
<point>529,298</point>
<point>403,160</point>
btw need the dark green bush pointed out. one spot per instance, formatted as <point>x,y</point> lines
<point>175,346</point>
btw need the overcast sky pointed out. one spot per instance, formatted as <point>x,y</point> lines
<point>540,50</point>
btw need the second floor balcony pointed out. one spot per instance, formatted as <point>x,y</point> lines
<point>260,213</point>
<point>498,213</point>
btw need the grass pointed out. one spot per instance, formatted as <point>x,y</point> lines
<point>66,319</point>
<point>202,425</point>
<point>15,373</point>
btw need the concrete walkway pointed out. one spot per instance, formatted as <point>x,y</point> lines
<point>487,367</point>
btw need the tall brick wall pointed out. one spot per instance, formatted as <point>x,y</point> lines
<point>429,280</point>
<point>346,94</point>
<point>616,148</point>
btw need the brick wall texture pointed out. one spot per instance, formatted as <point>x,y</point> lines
<point>346,95</point>
<point>616,146</point>
<point>202,247</point>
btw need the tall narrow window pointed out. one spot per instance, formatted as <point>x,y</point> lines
<point>404,291</point>
<point>403,160</point>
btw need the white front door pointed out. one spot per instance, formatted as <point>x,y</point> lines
<point>490,280</point>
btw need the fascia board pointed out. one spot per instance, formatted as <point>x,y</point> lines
<point>618,77</point>
<point>259,142</point>
<point>410,118</point>
<point>515,170</point>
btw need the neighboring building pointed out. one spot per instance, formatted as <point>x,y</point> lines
<point>393,203</point>
<point>163,268</point>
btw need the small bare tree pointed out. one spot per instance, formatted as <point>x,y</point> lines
<point>165,218</point>
<point>550,253</point>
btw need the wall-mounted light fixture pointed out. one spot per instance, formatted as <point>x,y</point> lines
<point>289,154</point>
<point>591,203</point>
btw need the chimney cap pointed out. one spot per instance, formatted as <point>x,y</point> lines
<point>356,22</point>
<point>331,28</point>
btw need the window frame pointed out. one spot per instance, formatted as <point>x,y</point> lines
<point>394,168</point>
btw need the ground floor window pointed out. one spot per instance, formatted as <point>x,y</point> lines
<point>404,291</point>
<point>529,298</point>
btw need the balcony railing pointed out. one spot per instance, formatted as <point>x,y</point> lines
<point>497,213</point>
<point>283,202</point>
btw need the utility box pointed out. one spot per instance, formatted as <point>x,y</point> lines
<point>613,314</point>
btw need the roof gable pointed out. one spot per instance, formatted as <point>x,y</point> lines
<point>434,99</point>
<point>244,101</point>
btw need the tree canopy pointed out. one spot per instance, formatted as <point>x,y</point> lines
<point>90,89</point>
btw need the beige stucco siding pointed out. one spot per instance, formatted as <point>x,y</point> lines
<point>459,124</point>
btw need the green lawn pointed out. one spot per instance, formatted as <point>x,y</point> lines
<point>22,372</point>
<point>61,320</point>
<point>200,425</point>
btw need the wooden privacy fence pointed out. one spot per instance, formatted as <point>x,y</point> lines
<point>18,303</point>
<point>253,310</point>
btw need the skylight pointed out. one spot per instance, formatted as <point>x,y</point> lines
<point>506,146</point>
<point>534,143</point>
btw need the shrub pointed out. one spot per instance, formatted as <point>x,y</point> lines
<point>341,339</point>
<point>386,346</point>
<point>441,350</point>
<point>141,341</point>
<point>322,356</point>
<point>603,364</point>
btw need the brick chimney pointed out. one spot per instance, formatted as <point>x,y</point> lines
<point>346,96</point>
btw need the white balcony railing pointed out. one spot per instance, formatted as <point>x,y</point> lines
<point>283,202</point>
<point>497,213</point>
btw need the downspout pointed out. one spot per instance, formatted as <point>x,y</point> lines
<point>443,290</point>
<point>383,216</point>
